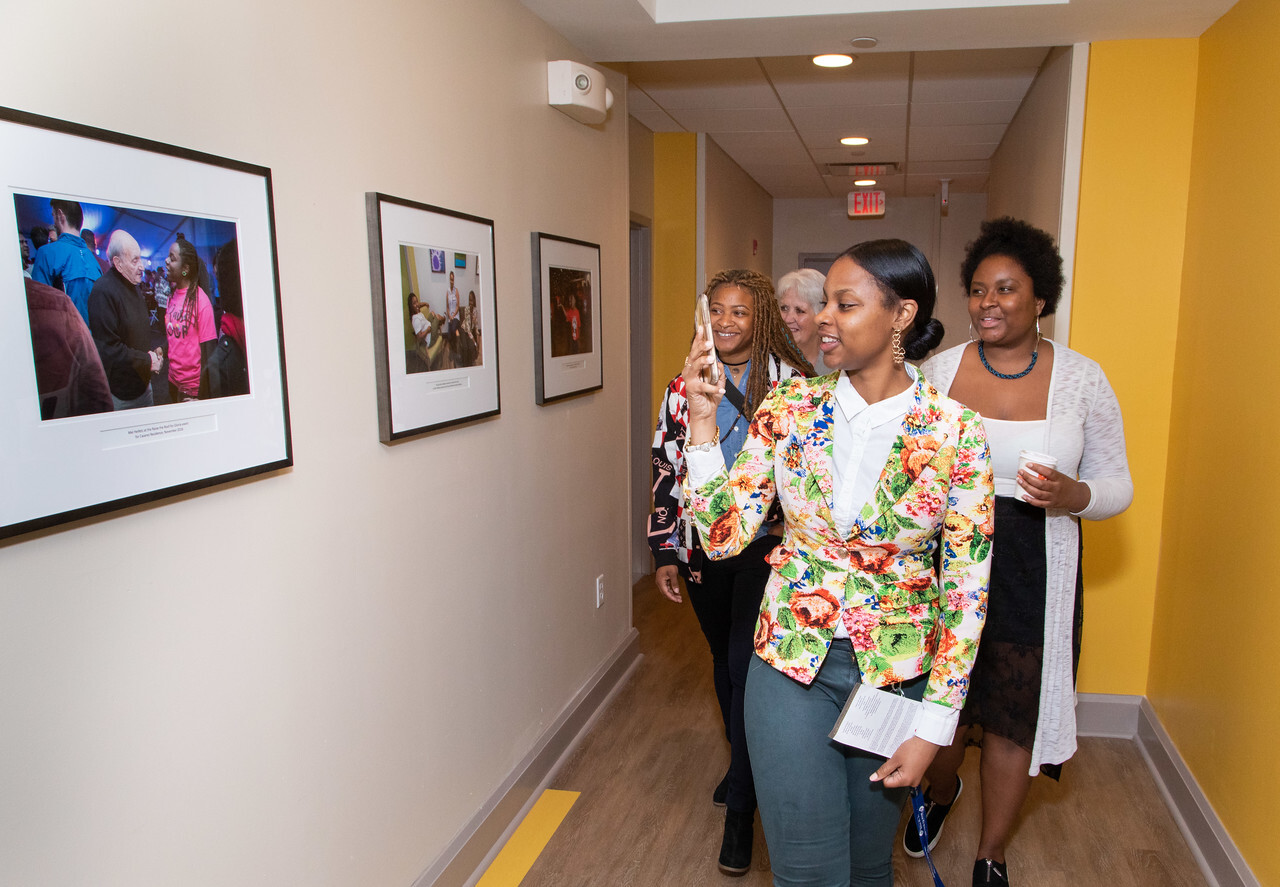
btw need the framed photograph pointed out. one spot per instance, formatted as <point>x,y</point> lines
<point>566,312</point>
<point>435,335</point>
<point>144,354</point>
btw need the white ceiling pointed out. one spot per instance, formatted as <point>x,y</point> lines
<point>929,115</point>
<point>934,95</point>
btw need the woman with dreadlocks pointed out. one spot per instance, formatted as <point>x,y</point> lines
<point>755,352</point>
<point>188,322</point>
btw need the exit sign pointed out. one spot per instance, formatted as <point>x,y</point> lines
<point>866,203</point>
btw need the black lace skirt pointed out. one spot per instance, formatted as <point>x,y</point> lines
<point>1004,688</point>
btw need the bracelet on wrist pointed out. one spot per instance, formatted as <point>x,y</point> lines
<point>704,447</point>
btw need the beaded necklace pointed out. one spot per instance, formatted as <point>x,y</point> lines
<point>993,371</point>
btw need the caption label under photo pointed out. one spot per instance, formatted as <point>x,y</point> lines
<point>133,435</point>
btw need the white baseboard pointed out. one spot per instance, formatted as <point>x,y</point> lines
<point>464,861</point>
<point>1132,717</point>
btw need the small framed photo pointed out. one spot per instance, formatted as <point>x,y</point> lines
<point>140,309</point>
<point>566,308</point>
<point>435,334</point>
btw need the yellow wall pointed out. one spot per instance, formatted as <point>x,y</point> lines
<point>1215,622</point>
<point>1136,164</point>
<point>675,246</point>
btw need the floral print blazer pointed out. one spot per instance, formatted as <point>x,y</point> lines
<point>931,504</point>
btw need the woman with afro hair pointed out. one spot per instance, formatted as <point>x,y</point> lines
<point>1043,399</point>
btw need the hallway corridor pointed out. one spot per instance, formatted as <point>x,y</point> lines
<point>647,769</point>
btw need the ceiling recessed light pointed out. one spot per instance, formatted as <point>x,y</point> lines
<point>863,183</point>
<point>863,42</point>
<point>832,61</point>
<point>855,140</point>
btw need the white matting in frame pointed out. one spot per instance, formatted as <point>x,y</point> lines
<point>567,350</point>
<point>450,375</point>
<point>59,469</point>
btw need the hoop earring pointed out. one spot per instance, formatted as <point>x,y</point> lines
<point>973,337</point>
<point>899,355</point>
<point>1038,336</point>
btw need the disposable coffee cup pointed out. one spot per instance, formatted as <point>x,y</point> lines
<point>1027,456</point>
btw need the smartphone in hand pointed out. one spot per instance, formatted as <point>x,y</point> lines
<point>702,318</point>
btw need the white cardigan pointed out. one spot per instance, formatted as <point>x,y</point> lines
<point>1086,433</point>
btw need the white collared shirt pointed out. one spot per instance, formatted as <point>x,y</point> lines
<point>861,444</point>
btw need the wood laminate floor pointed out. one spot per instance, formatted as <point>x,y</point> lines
<point>647,769</point>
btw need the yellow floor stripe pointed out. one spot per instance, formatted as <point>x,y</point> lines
<point>521,852</point>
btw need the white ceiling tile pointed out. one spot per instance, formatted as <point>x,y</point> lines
<point>711,96</point>
<point>949,168</point>
<point>952,152</point>
<point>657,121</point>
<point>848,120</point>
<point>924,186</point>
<point>888,150</point>
<point>717,121</point>
<point>968,62</point>
<point>957,113</point>
<point>874,79</point>
<point>942,136</point>
<point>775,147</point>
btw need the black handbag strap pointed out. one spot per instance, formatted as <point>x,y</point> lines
<point>734,397</point>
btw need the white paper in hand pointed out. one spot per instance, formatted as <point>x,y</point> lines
<point>875,720</point>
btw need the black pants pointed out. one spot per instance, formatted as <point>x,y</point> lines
<point>727,602</point>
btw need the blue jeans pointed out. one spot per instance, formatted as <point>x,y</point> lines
<point>826,824</point>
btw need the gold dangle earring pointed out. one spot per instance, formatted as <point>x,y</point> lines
<point>899,354</point>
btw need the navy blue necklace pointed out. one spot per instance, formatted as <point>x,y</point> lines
<point>993,371</point>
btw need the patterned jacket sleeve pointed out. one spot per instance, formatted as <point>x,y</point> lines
<point>965,565</point>
<point>668,457</point>
<point>729,508</point>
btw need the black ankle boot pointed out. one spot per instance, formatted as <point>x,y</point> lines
<point>735,849</point>
<point>721,793</point>
<point>989,872</point>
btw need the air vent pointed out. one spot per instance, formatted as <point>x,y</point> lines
<point>861,170</point>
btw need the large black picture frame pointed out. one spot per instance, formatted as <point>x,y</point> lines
<point>57,467</point>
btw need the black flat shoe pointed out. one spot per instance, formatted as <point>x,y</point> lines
<point>989,872</point>
<point>935,816</point>
<point>735,849</point>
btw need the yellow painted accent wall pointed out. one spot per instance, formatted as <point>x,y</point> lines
<point>1136,164</point>
<point>675,248</point>
<point>1215,634</point>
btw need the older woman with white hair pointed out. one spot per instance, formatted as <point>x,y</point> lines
<point>800,299</point>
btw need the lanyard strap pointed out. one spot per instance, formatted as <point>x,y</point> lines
<point>922,826</point>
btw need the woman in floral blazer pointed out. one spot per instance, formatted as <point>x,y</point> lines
<point>881,577</point>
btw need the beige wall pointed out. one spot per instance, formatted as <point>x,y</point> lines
<point>1026,170</point>
<point>640,157</point>
<point>737,216</point>
<point>824,226</point>
<point>320,676</point>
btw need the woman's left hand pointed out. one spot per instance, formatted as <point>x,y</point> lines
<point>907,765</point>
<point>1049,488</point>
